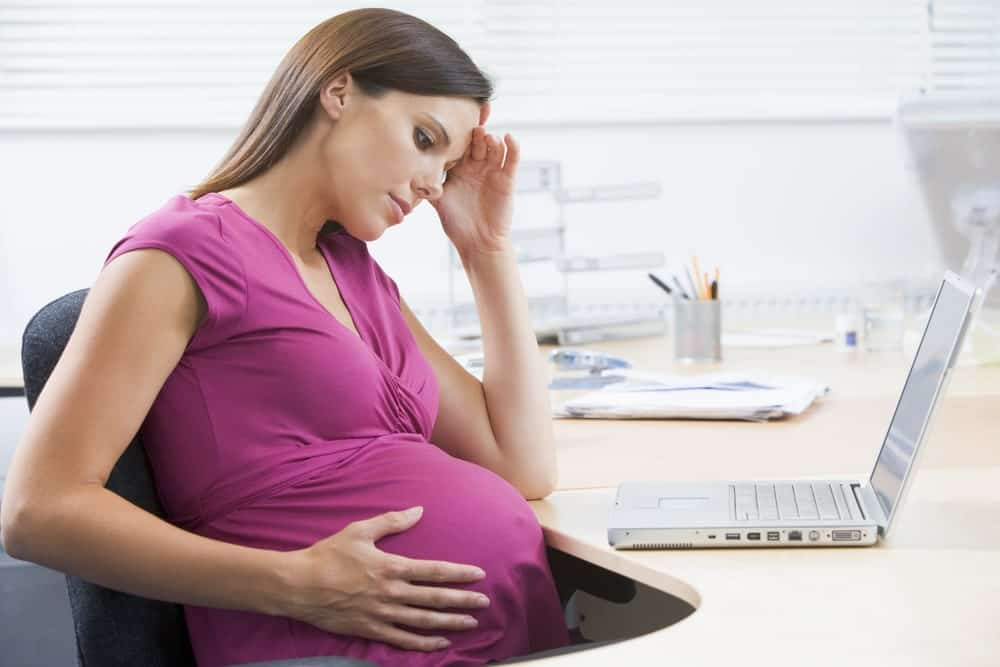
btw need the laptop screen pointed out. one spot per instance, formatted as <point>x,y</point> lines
<point>934,355</point>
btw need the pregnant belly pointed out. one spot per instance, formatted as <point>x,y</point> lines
<point>471,516</point>
<point>470,513</point>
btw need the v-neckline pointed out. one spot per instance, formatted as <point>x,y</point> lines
<point>356,333</point>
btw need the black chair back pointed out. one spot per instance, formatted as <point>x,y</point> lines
<point>112,628</point>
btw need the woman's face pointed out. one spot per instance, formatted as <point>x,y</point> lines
<point>395,147</point>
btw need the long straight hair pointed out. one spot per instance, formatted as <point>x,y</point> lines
<point>382,49</point>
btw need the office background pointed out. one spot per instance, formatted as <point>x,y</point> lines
<point>769,126</point>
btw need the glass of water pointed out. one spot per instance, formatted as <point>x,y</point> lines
<point>882,315</point>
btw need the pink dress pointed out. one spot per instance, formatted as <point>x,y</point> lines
<point>279,427</point>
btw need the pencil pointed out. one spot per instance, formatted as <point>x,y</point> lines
<point>708,287</point>
<point>702,289</point>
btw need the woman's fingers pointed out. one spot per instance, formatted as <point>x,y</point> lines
<point>436,571</point>
<point>499,153</point>
<point>513,154</point>
<point>494,155</point>
<point>388,523</point>
<point>392,635</point>
<point>478,143</point>
<point>425,619</point>
<point>437,598</point>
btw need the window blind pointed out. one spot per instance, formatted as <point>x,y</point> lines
<point>965,50</point>
<point>185,63</point>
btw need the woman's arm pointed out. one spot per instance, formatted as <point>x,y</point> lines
<point>132,330</point>
<point>504,423</point>
<point>514,386</point>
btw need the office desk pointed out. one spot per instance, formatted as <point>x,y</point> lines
<point>11,382</point>
<point>930,595</point>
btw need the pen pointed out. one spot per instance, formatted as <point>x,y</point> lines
<point>715,290</point>
<point>662,285</point>
<point>680,288</point>
<point>694,290</point>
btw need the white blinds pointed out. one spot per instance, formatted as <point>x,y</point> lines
<point>143,63</point>
<point>185,63</point>
<point>965,46</point>
<point>580,59</point>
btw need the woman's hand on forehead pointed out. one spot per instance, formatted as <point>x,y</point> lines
<point>476,207</point>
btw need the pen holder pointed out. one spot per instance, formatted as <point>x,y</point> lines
<point>697,331</point>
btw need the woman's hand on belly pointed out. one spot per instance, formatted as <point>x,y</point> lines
<point>344,584</point>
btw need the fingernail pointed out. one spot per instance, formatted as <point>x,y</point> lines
<point>415,511</point>
<point>469,622</point>
<point>443,643</point>
<point>483,601</point>
<point>479,573</point>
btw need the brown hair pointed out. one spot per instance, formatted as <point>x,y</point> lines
<point>382,49</point>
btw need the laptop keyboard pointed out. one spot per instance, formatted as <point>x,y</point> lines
<point>799,500</point>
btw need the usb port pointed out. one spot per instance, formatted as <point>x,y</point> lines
<point>732,536</point>
<point>795,536</point>
<point>711,537</point>
<point>773,536</point>
<point>753,536</point>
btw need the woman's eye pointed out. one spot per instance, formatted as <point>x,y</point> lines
<point>422,139</point>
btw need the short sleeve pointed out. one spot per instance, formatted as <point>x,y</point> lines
<point>195,238</point>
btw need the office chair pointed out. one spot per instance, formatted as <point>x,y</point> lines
<point>118,629</point>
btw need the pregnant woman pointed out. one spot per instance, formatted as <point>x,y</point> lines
<point>335,483</point>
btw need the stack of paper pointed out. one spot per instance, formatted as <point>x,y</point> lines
<point>749,396</point>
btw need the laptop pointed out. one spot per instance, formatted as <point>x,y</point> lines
<point>807,513</point>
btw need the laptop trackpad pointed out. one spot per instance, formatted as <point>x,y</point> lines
<point>687,502</point>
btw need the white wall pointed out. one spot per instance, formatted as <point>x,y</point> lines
<point>782,207</point>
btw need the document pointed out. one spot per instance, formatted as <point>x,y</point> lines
<point>739,396</point>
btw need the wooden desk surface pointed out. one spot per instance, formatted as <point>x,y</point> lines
<point>930,595</point>
<point>839,435</point>
<point>10,367</point>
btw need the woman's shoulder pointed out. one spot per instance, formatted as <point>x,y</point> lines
<point>180,219</point>
<point>190,229</point>
<point>192,232</point>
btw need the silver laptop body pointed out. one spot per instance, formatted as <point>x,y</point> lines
<point>807,513</point>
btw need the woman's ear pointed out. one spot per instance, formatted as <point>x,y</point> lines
<point>484,113</point>
<point>333,96</point>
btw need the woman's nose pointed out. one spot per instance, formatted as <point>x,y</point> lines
<point>430,187</point>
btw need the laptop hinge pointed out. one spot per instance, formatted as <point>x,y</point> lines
<point>870,505</point>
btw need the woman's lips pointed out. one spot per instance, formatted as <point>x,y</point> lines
<point>403,204</point>
<point>397,210</point>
